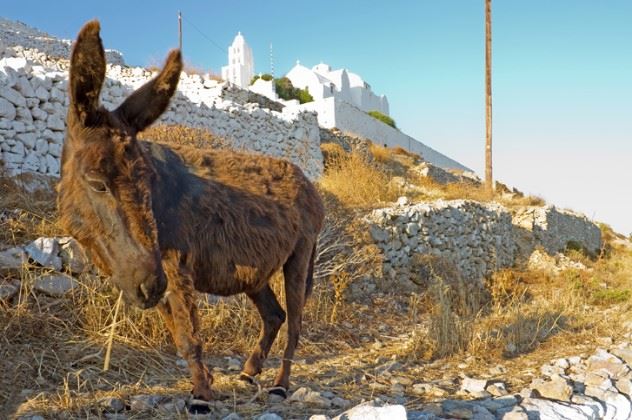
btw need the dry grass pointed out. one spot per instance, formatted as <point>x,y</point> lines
<point>25,215</point>
<point>356,182</point>
<point>182,135</point>
<point>523,310</point>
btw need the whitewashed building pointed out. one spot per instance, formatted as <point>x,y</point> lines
<point>322,82</point>
<point>241,65</point>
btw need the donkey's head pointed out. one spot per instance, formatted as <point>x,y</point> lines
<point>105,197</point>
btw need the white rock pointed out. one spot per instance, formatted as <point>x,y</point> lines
<point>268,416</point>
<point>24,87</point>
<point>54,149</point>
<point>7,110</point>
<point>16,63</point>
<point>370,411</point>
<point>144,402</point>
<point>42,94</point>
<point>55,285</point>
<point>41,146</point>
<point>8,76</point>
<point>618,406</point>
<point>38,114</point>
<point>18,149</point>
<point>12,158</point>
<point>31,162</point>
<point>54,122</point>
<point>45,252</point>
<point>472,385</point>
<point>52,164</point>
<point>12,96</point>
<point>8,290</point>
<point>12,259</point>
<point>24,114</point>
<point>548,409</point>
<point>306,395</point>
<point>28,139</point>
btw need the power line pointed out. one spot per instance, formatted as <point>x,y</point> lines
<point>215,44</point>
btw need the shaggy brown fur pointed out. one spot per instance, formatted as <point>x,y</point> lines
<point>214,221</point>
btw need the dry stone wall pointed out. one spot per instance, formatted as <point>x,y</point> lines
<point>554,228</point>
<point>475,237</point>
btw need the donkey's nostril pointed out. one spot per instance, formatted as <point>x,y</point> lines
<point>144,290</point>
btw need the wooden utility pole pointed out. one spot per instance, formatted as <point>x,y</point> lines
<point>489,182</point>
<point>180,30</point>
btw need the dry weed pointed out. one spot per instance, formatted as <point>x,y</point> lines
<point>181,135</point>
<point>355,182</point>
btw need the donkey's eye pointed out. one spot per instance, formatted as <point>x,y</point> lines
<point>96,183</point>
<point>98,186</point>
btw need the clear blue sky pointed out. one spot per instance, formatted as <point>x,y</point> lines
<point>562,73</point>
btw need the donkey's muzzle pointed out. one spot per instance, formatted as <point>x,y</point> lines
<point>151,291</point>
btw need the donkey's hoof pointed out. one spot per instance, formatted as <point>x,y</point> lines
<point>247,378</point>
<point>198,407</point>
<point>277,393</point>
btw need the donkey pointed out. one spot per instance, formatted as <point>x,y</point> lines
<point>163,221</point>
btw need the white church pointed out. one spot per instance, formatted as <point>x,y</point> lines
<point>342,100</point>
<point>241,65</point>
<point>320,81</point>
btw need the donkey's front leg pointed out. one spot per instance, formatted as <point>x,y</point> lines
<point>180,314</point>
<point>181,319</point>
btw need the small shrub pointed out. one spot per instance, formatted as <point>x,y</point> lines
<point>304,96</point>
<point>384,118</point>
<point>575,250</point>
<point>611,296</point>
<point>267,77</point>
<point>287,91</point>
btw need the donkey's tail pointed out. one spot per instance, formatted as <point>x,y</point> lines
<point>309,281</point>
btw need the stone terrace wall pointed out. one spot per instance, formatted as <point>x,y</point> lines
<point>553,228</point>
<point>478,238</point>
<point>33,103</point>
<point>475,237</point>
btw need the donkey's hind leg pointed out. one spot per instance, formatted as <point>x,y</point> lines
<point>295,271</point>
<point>272,317</point>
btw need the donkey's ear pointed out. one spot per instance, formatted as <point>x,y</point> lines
<point>87,72</point>
<point>148,102</point>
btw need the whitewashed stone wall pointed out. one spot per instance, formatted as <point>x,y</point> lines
<point>34,100</point>
<point>553,228</point>
<point>351,120</point>
<point>20,40</point>
<point>475,237</point>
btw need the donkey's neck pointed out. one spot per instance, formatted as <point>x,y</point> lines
<point>175,194</point>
